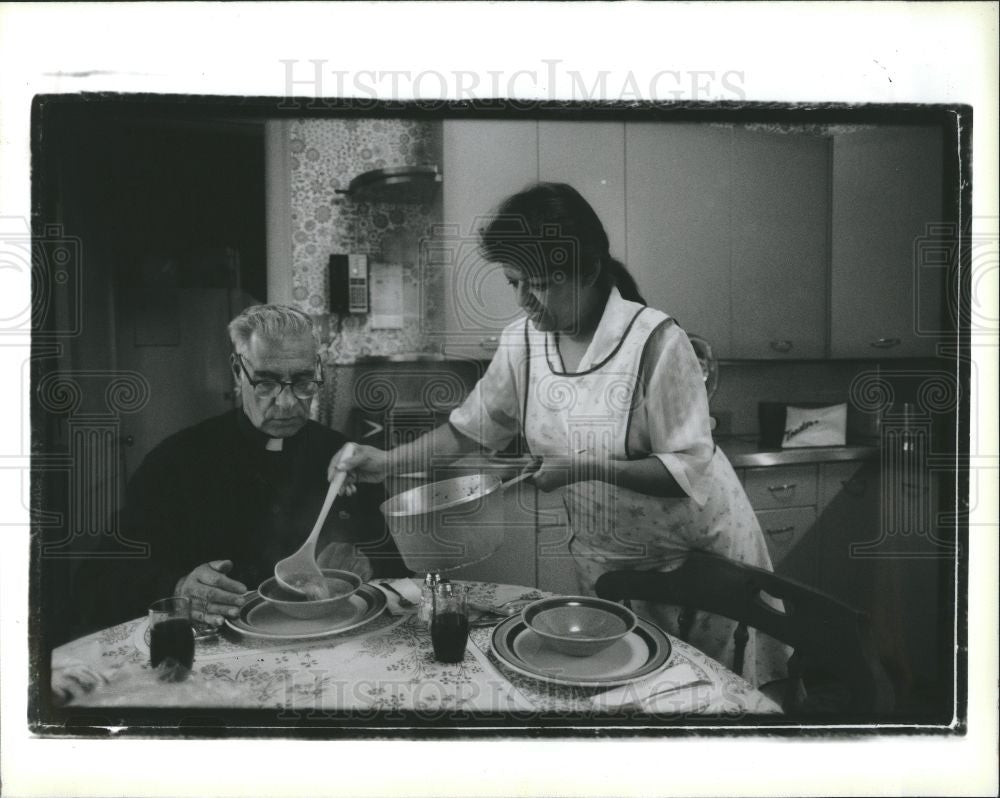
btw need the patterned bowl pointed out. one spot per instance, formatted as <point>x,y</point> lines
<point>578,626</point>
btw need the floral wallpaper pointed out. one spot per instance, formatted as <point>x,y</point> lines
<point>326,155</point>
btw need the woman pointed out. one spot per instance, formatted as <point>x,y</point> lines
<point>609,393</point>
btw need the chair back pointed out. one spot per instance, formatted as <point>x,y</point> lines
<point>824,632</point>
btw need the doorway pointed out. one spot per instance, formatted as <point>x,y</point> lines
<point>192,252</point>
<point>165,211</point>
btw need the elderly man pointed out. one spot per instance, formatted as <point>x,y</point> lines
<point>221,502</point>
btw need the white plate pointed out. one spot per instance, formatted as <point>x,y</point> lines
<point>259,618</point>
<point>641,652</point>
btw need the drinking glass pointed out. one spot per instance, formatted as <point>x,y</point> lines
<point>171,637</point>
<point>203,630</point>
<point>449,621</point>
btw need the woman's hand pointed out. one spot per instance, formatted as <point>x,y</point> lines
<point>557,472</point>
<point>364,464</point>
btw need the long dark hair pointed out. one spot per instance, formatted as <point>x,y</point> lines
<point>549,228</point>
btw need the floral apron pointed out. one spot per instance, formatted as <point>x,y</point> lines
<point>615,528</point>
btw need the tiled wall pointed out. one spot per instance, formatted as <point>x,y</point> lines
<point>326,154</point>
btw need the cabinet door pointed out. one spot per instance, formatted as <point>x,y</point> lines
<point>792,543</point>
<point>590,156</point>
<point>514,562</point>
<point>485,161</point>
<point>556,568</point>
<point>849,518</point>
<point>677,202</point>
<point>780,246</point>
<point>887,191</point>
<point>849,514</point>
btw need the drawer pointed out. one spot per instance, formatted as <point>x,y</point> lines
<point>781,486</point>
<point>784,529</point>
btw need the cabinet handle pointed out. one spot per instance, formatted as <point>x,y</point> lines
<point>886,343</point>
<point>781,346</point>
<point>784,530</point>
<point>780,488</point>
<point>491,343</point>
<point>913,487</point>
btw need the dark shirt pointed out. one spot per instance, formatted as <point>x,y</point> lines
<point>213,492</point>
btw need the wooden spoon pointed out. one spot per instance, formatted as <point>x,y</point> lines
<point>299,572</point>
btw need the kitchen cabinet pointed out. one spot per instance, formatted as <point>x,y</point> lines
<point>556,569</point>
<point>484,161</point>
<point>590,156</point>
<point>772,245</point>
<point>514,562</point>
<point>784,500</point>
<point>678,204</point>
<point>885,301</point>
<point>885,555</point>
<point>778,239</point>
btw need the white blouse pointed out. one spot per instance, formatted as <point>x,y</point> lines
<point>639,362</point>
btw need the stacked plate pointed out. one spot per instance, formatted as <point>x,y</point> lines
<point>262,619</point>
<point>635,656</point>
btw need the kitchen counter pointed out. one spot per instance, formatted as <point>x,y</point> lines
<point>742,451</point>
<point>745,452</point>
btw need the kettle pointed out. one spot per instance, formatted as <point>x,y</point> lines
<point>709,365</point>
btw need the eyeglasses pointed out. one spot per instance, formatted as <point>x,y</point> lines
<point>267,388</point>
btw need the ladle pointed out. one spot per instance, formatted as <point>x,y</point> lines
<point>299,573</point>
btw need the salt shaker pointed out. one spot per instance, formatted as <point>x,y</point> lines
<point>427,597</point>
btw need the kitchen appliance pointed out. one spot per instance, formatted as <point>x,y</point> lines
<point>709,368</point>
<point>411,184</point>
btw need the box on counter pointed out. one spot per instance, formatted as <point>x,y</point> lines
<point>787,425</point>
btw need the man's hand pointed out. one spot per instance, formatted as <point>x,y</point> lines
<point>557,472</point>
<point>365,464</point>
<point>212,593</point>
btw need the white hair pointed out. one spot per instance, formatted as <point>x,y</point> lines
<point>272,322</point>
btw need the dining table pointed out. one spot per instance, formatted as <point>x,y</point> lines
<point>386,665</point>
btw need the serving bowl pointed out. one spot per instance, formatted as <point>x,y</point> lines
<point>578,626</point>
<point>445,525</point>
<point>341,585</point>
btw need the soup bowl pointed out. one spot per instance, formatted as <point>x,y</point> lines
<point>340,584</point>
<point>578,626</point>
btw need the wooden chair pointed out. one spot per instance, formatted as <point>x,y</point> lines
<point>829,637</point>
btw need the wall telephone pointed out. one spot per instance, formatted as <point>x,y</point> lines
<point>348,284</point>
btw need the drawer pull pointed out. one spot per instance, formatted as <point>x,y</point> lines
<point>784,530</point>
<point>781,346</point>
<point>886,343</point>
<point>781,488</point>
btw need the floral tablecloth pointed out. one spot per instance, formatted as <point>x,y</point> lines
<point>386,665</point>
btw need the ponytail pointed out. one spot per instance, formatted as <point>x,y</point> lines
<point>528,217</point>
<point>619,277</point>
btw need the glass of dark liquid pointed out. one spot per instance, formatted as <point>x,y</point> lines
<point>449,621</point>
<point>171,637</point>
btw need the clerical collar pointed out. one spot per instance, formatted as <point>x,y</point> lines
<point>257,438</point>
